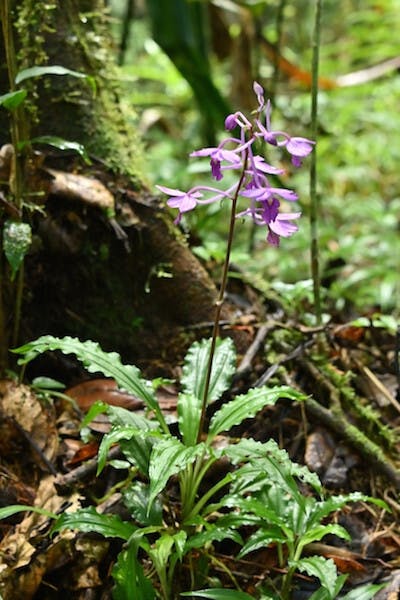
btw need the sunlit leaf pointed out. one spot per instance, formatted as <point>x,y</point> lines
<point>17,238</point>
<point>62,144</point>
<point>47,383</point>
<point>160,553</point>
<point>47,70</point>
<point>262,538</point>
<point>364,592</point>
<point>115,435</point>
<point>214,533</point>
<point>324,594</point>
<point>137,448</point>
<point>333,503</point>
<point>317,533</point>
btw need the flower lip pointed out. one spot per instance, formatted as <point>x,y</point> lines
<point>216,169</point>
<point>283,225</point>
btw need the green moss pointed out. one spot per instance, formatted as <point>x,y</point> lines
<point>32,23</point>
<point>110,131</point>
<point>51,32</point>
<point>368,416</point>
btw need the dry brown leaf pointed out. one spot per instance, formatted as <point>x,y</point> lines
<point>81,189</point>
<point>33,418</point>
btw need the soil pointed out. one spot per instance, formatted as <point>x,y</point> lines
<point>85,279</point>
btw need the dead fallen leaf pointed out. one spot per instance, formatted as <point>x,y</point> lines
<point>31,418</point>
<point>82,189</point>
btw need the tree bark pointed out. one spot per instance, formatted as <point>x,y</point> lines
<point>136,292</point>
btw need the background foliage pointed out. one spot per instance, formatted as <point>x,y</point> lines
<point>227,44</point>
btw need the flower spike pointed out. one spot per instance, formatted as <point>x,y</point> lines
<point>264,199</point>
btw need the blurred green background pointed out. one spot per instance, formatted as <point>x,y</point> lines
<point>185,64</point>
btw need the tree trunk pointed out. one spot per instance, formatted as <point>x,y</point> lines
<point>131,282</point>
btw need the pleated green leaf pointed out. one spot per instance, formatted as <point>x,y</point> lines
<point>129,578</point>
<point>247,406</point>
<point>195,369</point>
<point>96,361</point>
<point>168,458</point>
<point>89,520</point>
<point>322,568</point>
<point>189,411</point>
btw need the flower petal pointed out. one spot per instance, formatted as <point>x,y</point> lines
<point>183,203</point>
<point>299,146</point>
<point>170,191</point>
<point>289,195</point>
<point>261,165</point>
<point>203,152</point>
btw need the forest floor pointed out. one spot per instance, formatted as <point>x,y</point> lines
<point>347,431</point>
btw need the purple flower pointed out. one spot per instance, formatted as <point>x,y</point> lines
<point>299,148</point>
<point>259,92</point>
<point>183,201</point>
<point>237,119</point>
<point>282,226</point>
<point>217,156</point>
<point>278,224</point>
<point>231,122</point>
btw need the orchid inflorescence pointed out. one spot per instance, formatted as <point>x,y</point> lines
<point>237,154</point>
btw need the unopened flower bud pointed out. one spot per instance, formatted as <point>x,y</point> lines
<point>230,122</point>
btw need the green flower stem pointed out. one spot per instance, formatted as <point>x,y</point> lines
<point>220,300</point>
<point>287,584</point>
<point>190,482</point>
<point>205,498</point>
<point>314,201</point>
<point>18,305</point>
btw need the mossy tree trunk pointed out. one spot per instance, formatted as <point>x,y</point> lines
<point>133,292</point>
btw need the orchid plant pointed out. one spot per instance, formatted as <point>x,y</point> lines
<point>237,154</point>
<point>177,509</point>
